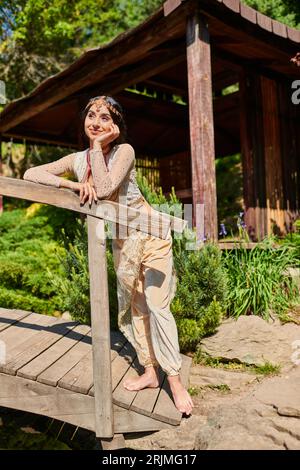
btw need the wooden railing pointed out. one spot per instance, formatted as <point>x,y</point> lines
<point>158,225</point>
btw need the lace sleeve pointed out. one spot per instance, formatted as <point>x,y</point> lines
<point>49,172</point>
<point>108,181</point>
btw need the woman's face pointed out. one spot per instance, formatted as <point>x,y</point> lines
<point>97,121</point>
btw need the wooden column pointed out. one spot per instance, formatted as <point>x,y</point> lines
<point>290,147</point>
<point>201,128</point>
<point>100,328</point>
<point>268,153</point>
<point>251,130</point>
<point>273,157</point>
<point>1,174</point>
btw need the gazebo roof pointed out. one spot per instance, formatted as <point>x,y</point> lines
<point>153,55</point>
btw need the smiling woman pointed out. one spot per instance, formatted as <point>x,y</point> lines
<point>146,276</point>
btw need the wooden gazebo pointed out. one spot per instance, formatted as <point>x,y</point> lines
<point>193,50</point>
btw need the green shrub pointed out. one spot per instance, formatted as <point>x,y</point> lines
<point>200,295</point>
<point>19,299</point>
<point>258,284</point>
<point>73,285</point>
<point>26,251</point>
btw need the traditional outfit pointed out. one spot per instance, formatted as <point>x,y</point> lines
<point>146,278</point>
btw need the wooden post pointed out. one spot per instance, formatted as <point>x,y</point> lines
<point>100,328</point>
<point>201,128</point>
<point>251,131</point>
<point>273,157</point>
<point>1,174</point>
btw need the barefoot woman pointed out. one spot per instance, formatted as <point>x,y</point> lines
<point>144,263</point>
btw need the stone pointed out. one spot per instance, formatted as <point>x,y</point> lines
<point>252,340</point>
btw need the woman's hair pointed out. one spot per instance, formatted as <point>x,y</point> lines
<point>116,112</point>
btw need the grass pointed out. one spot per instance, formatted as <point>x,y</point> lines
<point>194,391</point>
<point>265,369</point>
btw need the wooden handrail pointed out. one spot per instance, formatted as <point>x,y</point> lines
<point>158,224</point>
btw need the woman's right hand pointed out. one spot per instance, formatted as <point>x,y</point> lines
<point>86,191</point>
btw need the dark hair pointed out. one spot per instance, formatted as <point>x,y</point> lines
<point>116,112</point>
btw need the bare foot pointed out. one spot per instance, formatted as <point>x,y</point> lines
<point>148,380</point>
<point>182,398</point>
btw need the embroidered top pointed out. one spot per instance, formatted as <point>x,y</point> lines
<point>117,179</point>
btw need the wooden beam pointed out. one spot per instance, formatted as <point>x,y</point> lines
<point>126,49</point>
<point>104,426</point>
<point>157,224</point>
<point>201,128</point>
<point>154,63</point>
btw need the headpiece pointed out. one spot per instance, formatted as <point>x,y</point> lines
<point>99,101</point>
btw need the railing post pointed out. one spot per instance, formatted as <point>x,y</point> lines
<point>100,328</point>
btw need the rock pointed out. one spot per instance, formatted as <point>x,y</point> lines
<point>66,316</point>
<point>264,420</point>
<point>180,437</point>
<point>202,376</point>
<point>252,340</point>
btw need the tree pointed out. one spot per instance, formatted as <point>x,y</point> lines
<point>42,37</point>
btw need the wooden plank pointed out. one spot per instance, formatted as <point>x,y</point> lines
<point>51,355</point>
<point>36,345</point>
<point>79,409</point>
<point>56,371</point>
<point>279,28</point>
<point>233,5</point>
<point>165,409</point>
<point>293,34</point>
<point>120,365</point>
<point>121,395</point>
<point>170,6</point>
<point>248,13</point>
<point>100,327</point>
<point>80,377</point>
<point>145,400</point>
<point>264,21</point>
<point>9,317</point>
<point>24,329</point>
<point>201,129</point>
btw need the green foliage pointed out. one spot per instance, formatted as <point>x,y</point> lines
<point>13,437</point>
<point>73,285</point>
<point>27,250</point>
<point>40,38</point>
<point>229,190</point>
<point>258,279</point>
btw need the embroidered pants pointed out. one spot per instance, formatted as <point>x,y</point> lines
<point>153,326</point>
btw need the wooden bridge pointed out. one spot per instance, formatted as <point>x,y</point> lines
<point>74,372</point>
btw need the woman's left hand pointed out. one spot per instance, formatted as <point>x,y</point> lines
<point>109,136</point>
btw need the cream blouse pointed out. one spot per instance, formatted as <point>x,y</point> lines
<point>116,180</point>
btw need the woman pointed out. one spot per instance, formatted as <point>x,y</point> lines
<point>144,264</point>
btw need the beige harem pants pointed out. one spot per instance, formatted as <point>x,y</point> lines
<point>153,329</point>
